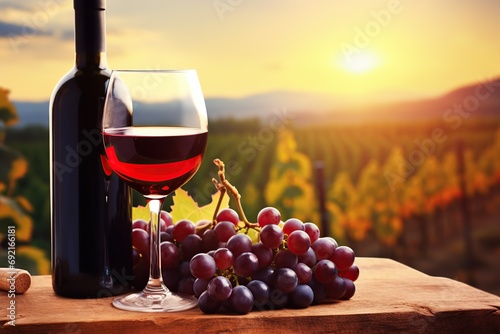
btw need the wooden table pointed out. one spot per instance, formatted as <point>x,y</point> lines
<point>390,297</point>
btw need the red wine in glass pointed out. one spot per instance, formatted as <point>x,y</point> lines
<point>155,160</point>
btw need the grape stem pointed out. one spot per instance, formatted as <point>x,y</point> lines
<point>223,185</point>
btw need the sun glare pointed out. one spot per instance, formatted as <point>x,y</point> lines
<point>360,63</point>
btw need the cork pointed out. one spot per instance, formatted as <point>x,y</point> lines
<point>14,280</point>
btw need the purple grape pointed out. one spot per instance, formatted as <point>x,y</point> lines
<point>223,258</point>
<point>246,264</point>
<point>271,236</point>
<point>351,273</point>
<point>350,289</point>
<point>241,299</point>
<point>343,257</point>
<point>312,230</point>
<point>285,279</point>
<point>224,230</point>
<point>202,266</point>
<point>184,269</point>
<point>209,241</point>
<point>264,254</point>
<point>319,291</point>
<point>208,305</point>
<point>304,272</point>
<point>182,229</point>
<point>302,296</point>
<point>336,289</point>
<point>308,258</point>
<point>169,255</point>
<point>171,278</point>
<point>298,242</point>
<point>185,286</point>
<point>165,236</point>
<point>323,248</point>
<point>239,243</point>
<point>219,288</point>
<point>264,274</point>
<point>293,224</point>
<point>190,246</point>
<point>260,291</point>
<point>229,215</point>
<point>278,298</point>
<point>325,271</point>
<point>285,259</point>
<point>267,216</point>
<point>200,286</point>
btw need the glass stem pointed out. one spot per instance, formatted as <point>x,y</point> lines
<point>155,284</point>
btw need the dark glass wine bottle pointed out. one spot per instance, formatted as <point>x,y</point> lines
<point>91,207</point>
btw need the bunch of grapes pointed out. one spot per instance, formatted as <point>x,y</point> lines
<point>289,266</point>
<point>233,265</point>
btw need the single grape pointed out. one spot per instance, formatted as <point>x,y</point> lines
<point>169,255</point>
<point>302,296</point>
<point>167,218</point>
<point>335,243</point>
<point>312,230</point>
<point>325,271</point>
<point>185,286</point>
<point>207,304</point>
<point>343,257</point>
<point>229,215</point>
<point>304,272</point>
<point>267,216</point>
<point>136,257</point>
<point>308,258</point>
<point>271,236</point>
<point>265,275</point>
<point>351,273</point>
<point>141,274</point>
<point>171,278</point>
<point>292,224</point>
<point>165,236</point>
<point>260,291</point>
<point>223,258</point>
<point>183,228</point>
<point>238,244</point>
<point>184,269</point>
<point>323,248</point>
<point>190,246</point>
<point>200,286</point>
<point>246,264</point>
<point>202,266</point>
<point>285,279</point>
<point>241,299</point>
<point>141,223</point>
<point>140,240</point>
<point>264,254</point>
<point>285,259</point>
<point>318,289</point>
<point>224,230</point>
<point>298,242</point>
<point>209,241</point>
<point>219,288</point>
<point>336,289</point>
<point>350,289</point>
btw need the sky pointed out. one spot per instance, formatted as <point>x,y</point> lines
<point>363,50</point>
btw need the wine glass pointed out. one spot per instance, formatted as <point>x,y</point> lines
<point>155,135</point>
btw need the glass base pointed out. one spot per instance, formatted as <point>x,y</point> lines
<point>164,302</point>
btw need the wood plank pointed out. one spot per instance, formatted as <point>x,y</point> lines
<point>390,297</point>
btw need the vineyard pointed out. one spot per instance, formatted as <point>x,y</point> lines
<point>396,190</point>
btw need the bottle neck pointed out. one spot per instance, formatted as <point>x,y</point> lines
<point>90,35</point>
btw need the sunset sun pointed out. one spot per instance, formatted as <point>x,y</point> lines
<point>360,63</point>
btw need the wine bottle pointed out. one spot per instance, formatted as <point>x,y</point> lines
<point>90,206</point>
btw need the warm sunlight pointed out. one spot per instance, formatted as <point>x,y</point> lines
<point>360,62</point>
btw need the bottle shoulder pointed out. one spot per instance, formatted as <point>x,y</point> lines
<point>79,82</point>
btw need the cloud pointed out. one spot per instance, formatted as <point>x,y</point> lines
<point>6,6</point>
<point>9,29</point>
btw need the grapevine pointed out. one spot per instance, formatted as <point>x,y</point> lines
<point>234,265</point>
